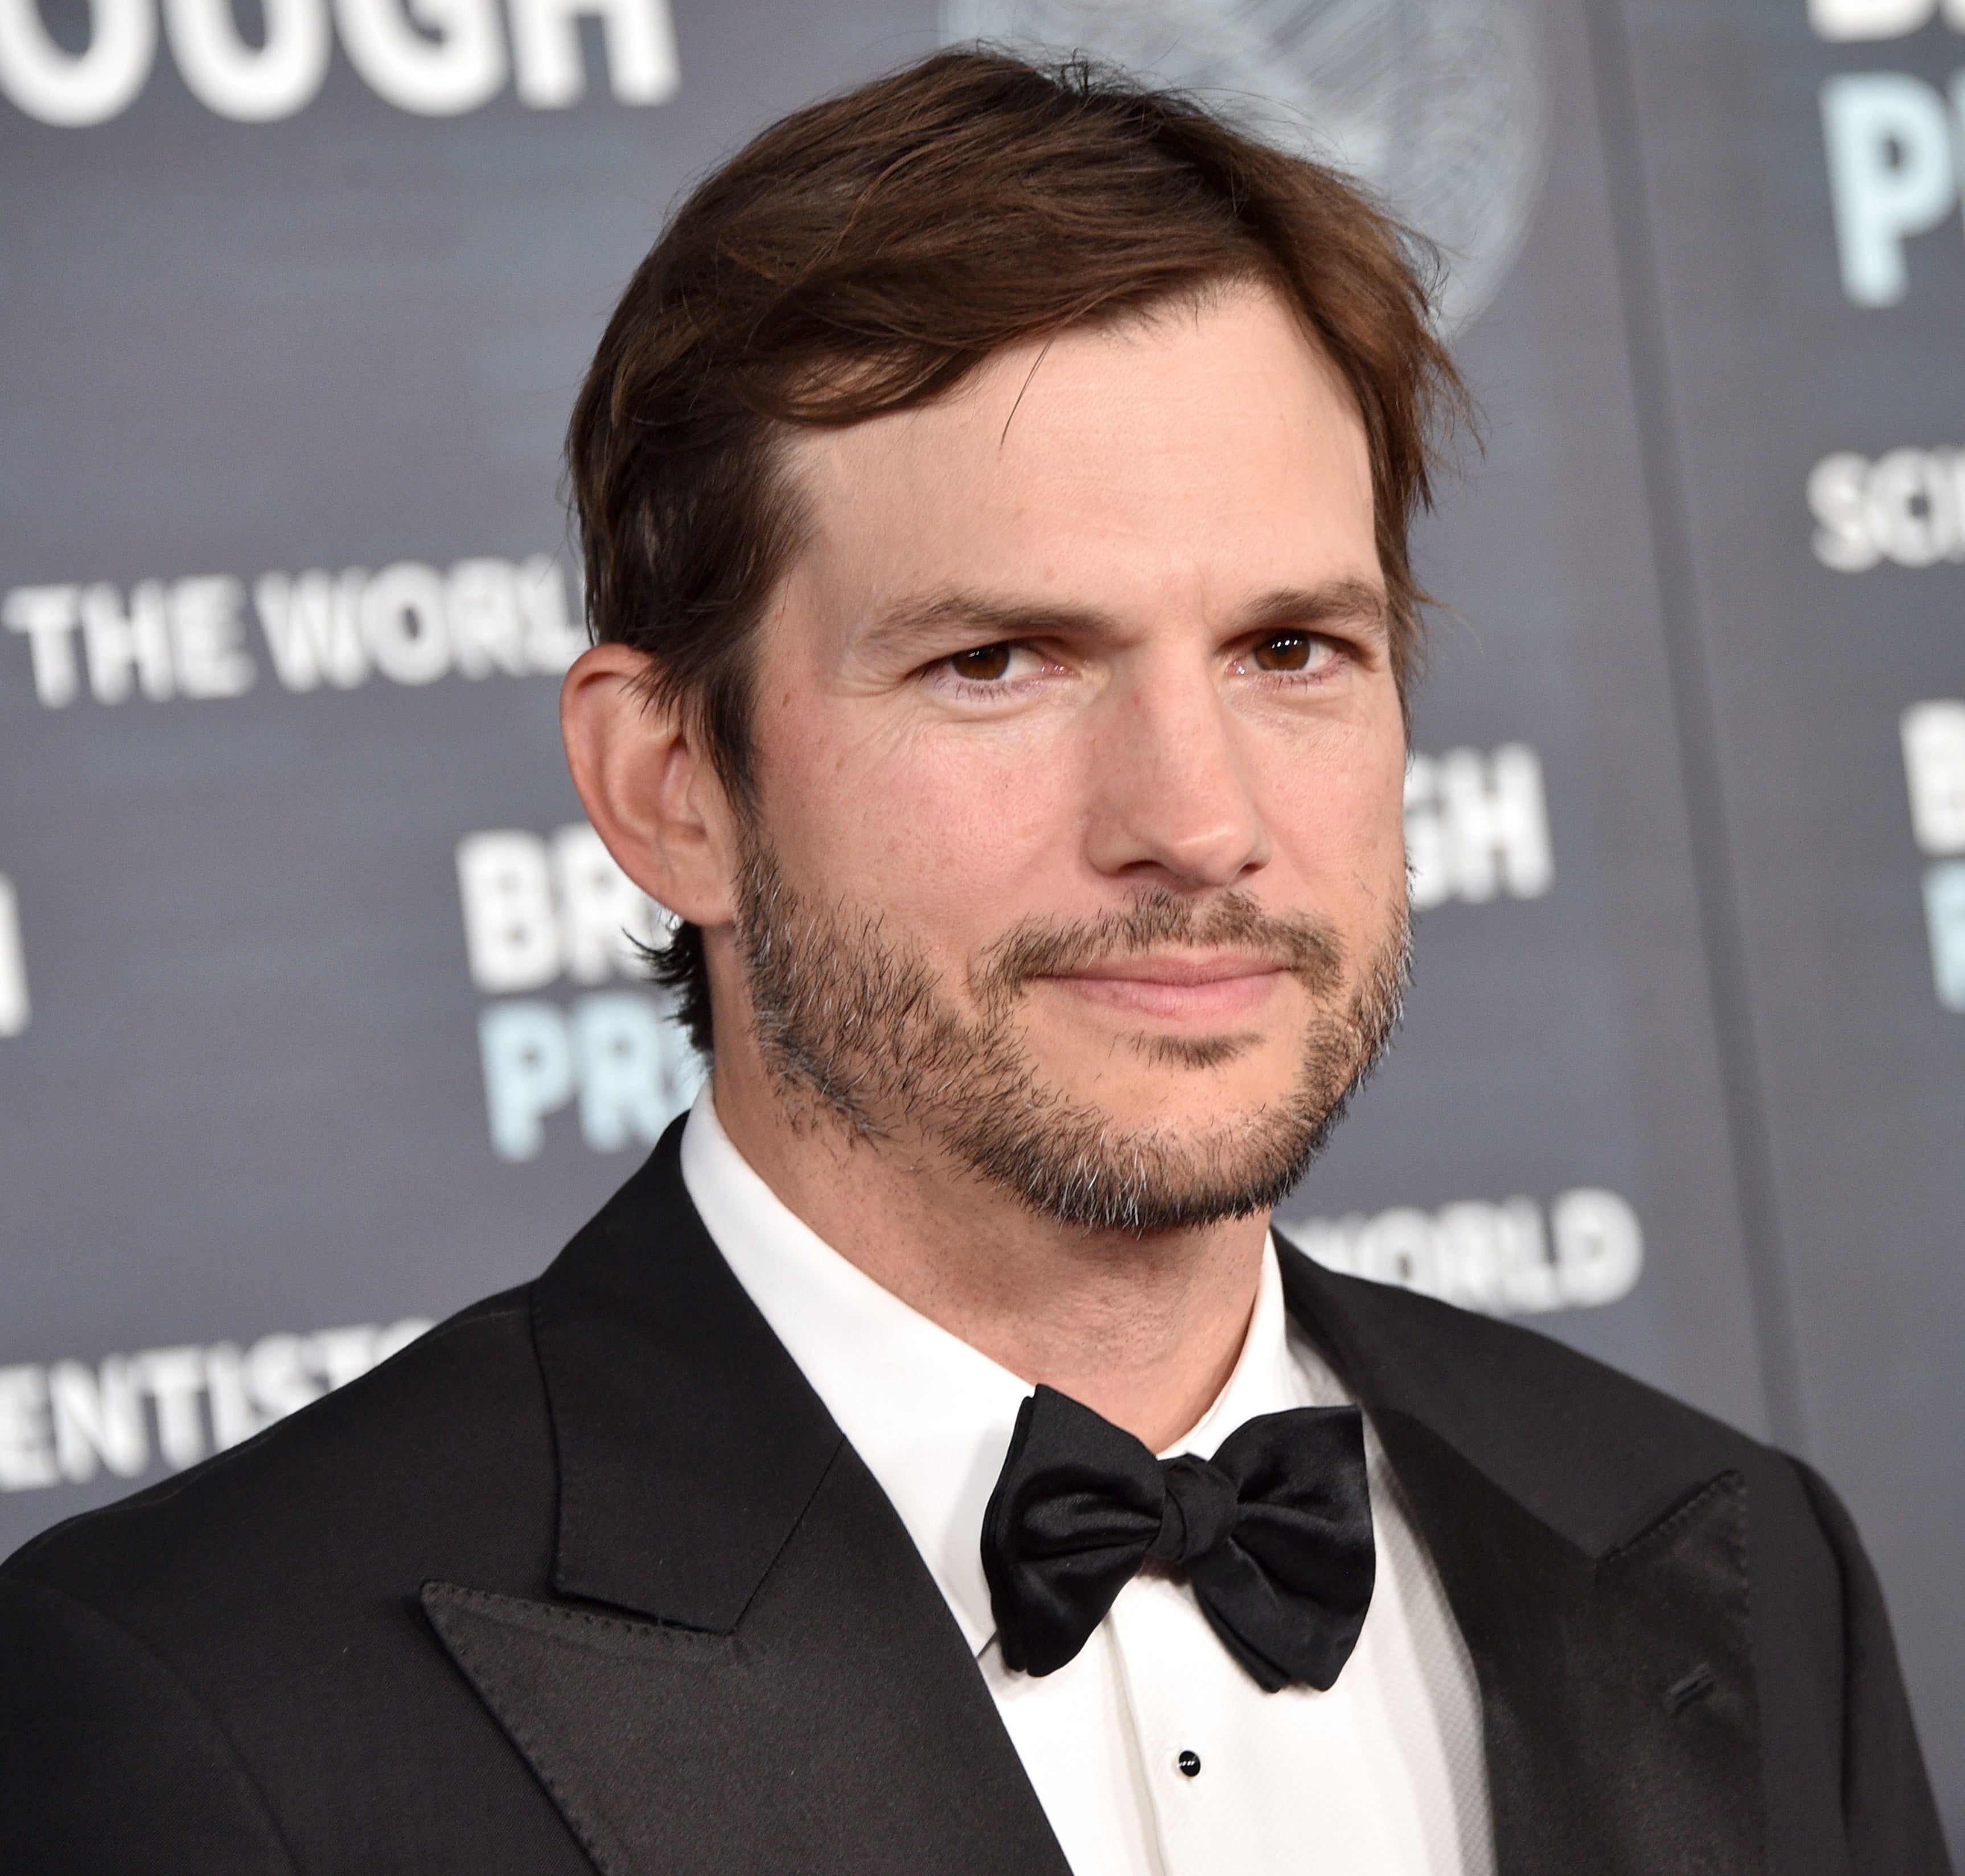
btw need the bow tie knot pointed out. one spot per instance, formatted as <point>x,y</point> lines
<point>1274,1534</point>
<point>1198,1514</point>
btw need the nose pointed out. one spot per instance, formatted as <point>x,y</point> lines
<point>1172,802</point>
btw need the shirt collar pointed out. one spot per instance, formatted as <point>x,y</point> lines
<point>930,1416</point>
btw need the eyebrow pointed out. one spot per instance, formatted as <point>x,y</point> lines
<point>1336,602</point>
<point>993,621</point>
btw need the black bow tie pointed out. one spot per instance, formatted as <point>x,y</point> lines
<point>1275,1534</point>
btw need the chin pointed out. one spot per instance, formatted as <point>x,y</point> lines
<point>1182,1084</point>
<point>1199,1055</point>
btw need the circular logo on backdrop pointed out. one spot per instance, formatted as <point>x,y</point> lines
<point>1437,105</point>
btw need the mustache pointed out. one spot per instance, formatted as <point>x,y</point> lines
<point>1159,920</point>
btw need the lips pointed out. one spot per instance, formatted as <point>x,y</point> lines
<point>1180,989</point>
<point>1178,970</point>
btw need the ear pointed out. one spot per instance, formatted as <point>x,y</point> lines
<point>649,788</point>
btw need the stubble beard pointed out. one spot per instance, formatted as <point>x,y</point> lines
<point>855,1028</point>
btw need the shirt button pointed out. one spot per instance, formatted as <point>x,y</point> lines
<point>1190,1764</point>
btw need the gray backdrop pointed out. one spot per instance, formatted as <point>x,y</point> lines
<point>314,1024</point>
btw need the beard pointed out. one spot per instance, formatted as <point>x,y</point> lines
<point>855,1027</point>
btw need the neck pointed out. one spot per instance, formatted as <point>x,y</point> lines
<point>1143,1328</point>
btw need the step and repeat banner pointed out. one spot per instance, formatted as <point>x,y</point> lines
<point>318,1018</point>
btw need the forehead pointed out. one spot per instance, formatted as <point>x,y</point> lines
<point>1198,450</point>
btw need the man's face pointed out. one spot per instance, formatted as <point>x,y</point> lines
<point>1077,853</point>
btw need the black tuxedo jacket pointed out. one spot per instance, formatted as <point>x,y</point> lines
<point>587,1578</point>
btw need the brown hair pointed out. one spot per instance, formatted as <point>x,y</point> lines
<point>865,255</point>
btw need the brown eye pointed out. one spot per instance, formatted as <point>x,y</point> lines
<point>1287,651</point>
<point>984,665</point>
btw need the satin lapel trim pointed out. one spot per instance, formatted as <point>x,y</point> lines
<point>1619,1706</point>
<point>1512,1409</point>
<point>688,1442</point>
<point>843,1727</point>
<point>1618,1695</point>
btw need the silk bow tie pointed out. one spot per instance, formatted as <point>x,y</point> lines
<point>1274,1533</point>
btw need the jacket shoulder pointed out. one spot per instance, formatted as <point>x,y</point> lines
<point>108,1762</point>
<point>439,1460</point>
<point>260,1611</point>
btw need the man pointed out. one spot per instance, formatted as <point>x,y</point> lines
<point>994,489</point>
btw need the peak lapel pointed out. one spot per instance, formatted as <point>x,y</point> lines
<point>755,1671</point>
<point>1617,1691</point>
<point>1617,1671</point>
<point>843,1727</point>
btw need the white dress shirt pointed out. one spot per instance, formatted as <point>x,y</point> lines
<point>1383,1775</point>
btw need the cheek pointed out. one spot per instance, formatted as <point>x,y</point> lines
<point>953,838</point>
<point>1340,818</point>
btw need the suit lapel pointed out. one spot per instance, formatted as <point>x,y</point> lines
<point>1616,1670</point>
<point>1617,1691</point>
<point>689,1442</point>
<point>751,1668</point>
<point>842,1727</point>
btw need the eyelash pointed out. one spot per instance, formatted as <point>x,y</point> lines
<point>1313,642</point>
<point>998,687</point>
<point>980,686</point>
